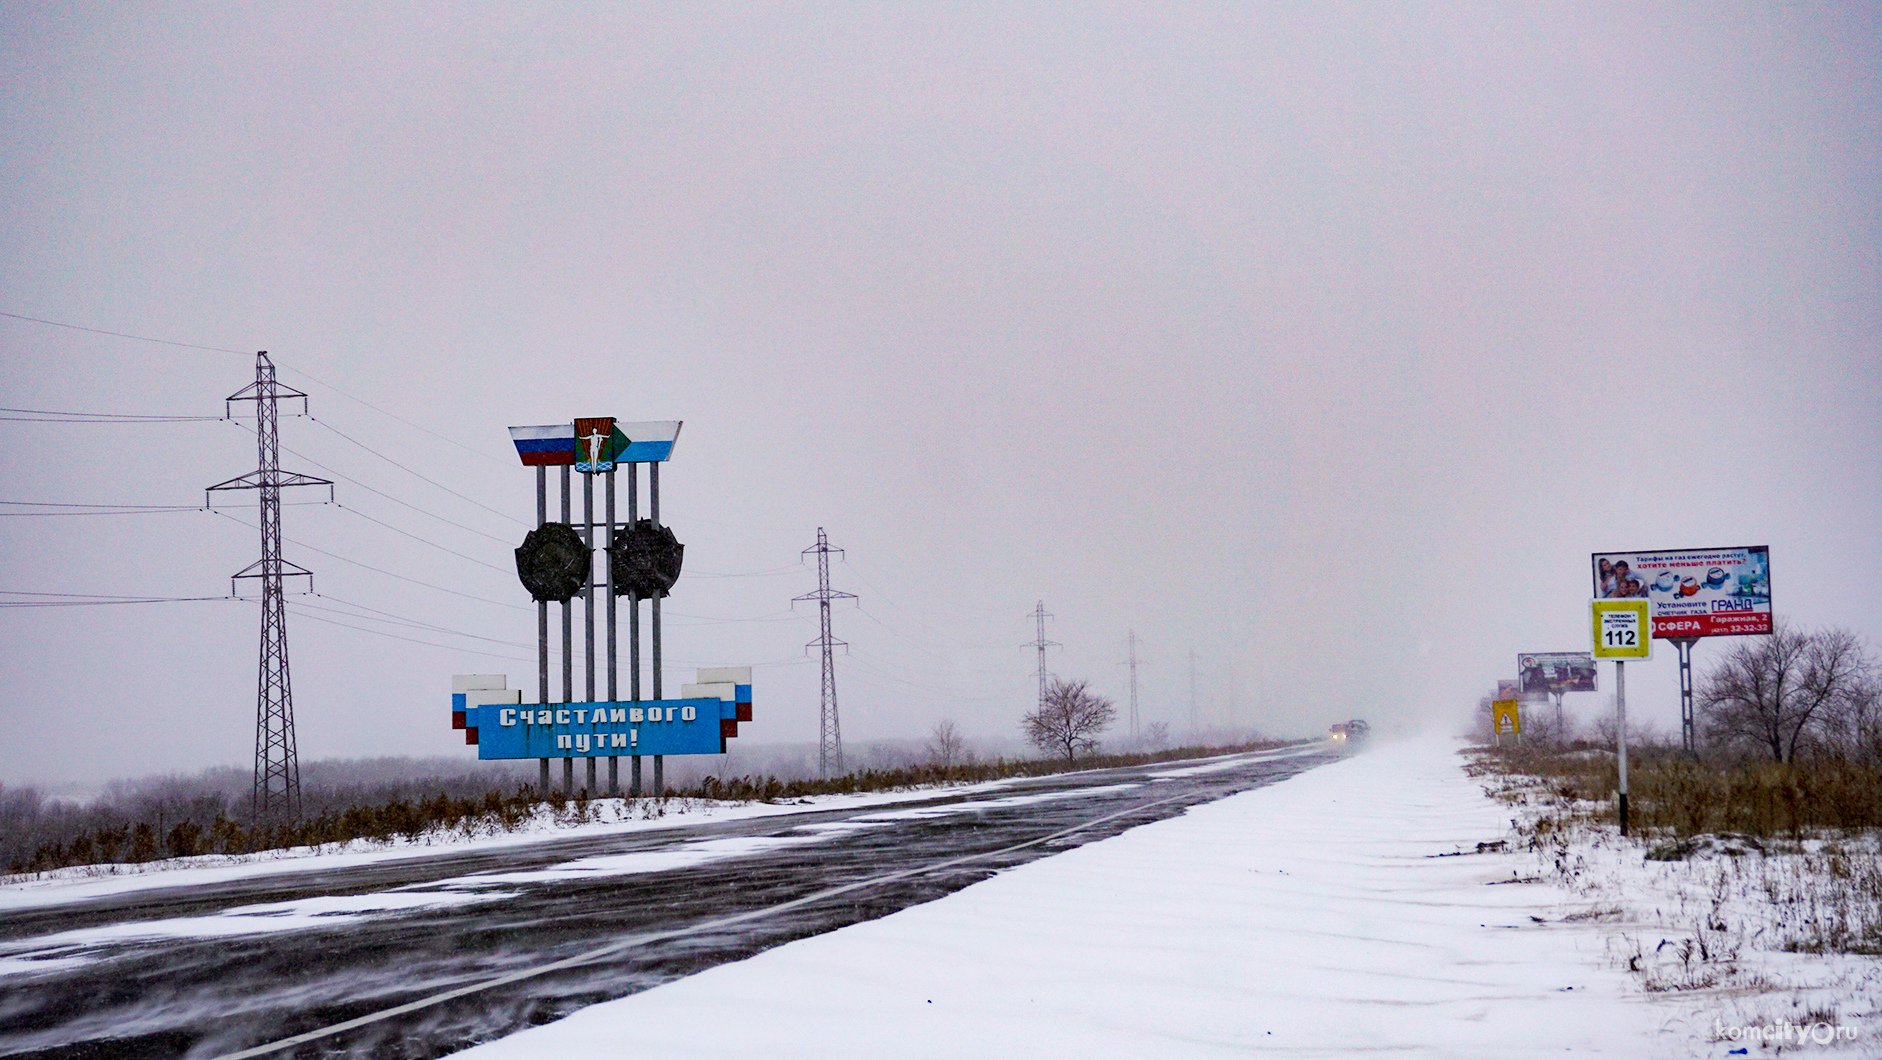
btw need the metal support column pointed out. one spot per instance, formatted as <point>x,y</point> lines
<point>614,761</point>
<point>542,621</point>
<point>568,648</point>
<point>1620,718</point>
<point>633,622</point>
<point>1689,739</point>
<point>653,507</point>
<point>588,616</point>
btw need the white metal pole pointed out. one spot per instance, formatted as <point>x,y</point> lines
<point>1620,721</point>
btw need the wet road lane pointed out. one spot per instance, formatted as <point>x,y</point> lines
<point>192,972</point>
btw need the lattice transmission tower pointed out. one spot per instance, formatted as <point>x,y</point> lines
<point>1039,616</point>
<point>1132,663</point>
<point>277,791</point>
<point>830,737</point>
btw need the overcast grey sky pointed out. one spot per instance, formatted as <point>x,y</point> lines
<point>1325,341</point>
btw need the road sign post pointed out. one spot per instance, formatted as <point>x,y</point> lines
<point>1623,630</point>
<point>1506,717</point>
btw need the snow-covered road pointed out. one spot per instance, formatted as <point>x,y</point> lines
<point>1308,918</point>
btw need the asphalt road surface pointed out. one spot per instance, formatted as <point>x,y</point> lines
<point>526,934</point>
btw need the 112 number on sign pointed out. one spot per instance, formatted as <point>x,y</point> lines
<point>1622,629</point>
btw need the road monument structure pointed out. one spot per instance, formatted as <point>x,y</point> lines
<point>556,563</point>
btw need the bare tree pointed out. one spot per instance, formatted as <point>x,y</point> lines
<point>1776,692</point>
<point>1852,728</point>
<point>1069,720</point>
<point>946,746</point>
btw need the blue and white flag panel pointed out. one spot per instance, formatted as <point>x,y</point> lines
<point>648,443</point>
<point>500,726</point>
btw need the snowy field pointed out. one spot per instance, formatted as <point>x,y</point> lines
<point>1316,917</point>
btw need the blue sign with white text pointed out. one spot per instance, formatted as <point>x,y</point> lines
<point>501,726</point>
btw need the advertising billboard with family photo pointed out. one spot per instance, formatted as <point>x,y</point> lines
<point>1542,673</point>
<point>1702,592</point>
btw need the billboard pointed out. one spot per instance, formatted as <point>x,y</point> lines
<point>1702,592</point>
<point>1541,673</point>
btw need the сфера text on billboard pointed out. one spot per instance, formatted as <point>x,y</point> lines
<point>1700,592</point>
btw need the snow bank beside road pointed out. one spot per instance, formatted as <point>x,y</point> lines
<point>1308,918</point>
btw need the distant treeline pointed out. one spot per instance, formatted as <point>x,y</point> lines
<point>152,817</point>
<point>208,814</point>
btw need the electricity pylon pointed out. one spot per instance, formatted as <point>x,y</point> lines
<point>1039,615</point>
<point>277,791</point>
<point>1132,663</point>
<point>830,734</point>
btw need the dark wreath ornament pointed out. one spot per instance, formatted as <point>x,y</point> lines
<point>554,562</point>
<point>645,559</point>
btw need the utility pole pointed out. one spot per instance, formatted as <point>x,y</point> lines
<point>1193,730</point>
<point>830,734</point>
<point>1039,616</point>
<point>1234,704</point>
<point>276,795</point>
<point>1133,666</point>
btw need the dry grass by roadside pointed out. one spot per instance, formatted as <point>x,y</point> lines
<point>1672,792</point>
<point>1749,893</point>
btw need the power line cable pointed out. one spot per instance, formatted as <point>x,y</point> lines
<point>859,570</point>
<point>244,353</point>
<point>421,540</point>
<point>116,509</point>
<point>348,478</point>
<point>402,620</point>
<point>124,334</point>
<point>378,570</point>
<point>417,475</point>
<point>55,416</point>
<point>401,419</point>
<point>788,568</point>
<point>297,607</point>
<point>92,600</point>
<point>105,504</point>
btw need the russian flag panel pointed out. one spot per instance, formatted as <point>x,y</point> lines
<point>545,446</point>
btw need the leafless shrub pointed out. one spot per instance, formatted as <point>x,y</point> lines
<point>1069,720</point>
<point>1787,691</point>
<point>946,746</point>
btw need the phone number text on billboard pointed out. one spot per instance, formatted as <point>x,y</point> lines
<point>1710,592</point>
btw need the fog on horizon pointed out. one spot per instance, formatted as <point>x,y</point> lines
<point>1319,343</point>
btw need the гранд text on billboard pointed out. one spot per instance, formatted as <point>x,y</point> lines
<point>1700,592</point>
